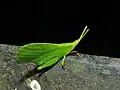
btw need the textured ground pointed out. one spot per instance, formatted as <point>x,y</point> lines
<point>86,72</point>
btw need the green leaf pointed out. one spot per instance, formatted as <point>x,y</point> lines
<point>46,54</point>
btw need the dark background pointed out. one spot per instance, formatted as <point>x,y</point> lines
<point>40,21</point>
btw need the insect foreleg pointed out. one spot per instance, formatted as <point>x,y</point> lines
<point>74,52</point>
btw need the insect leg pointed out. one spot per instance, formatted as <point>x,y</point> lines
<point>63,62</point>
<point>74,52</point>
<point>46,69</point>
<point>28,74</point>
<point>43,71</point>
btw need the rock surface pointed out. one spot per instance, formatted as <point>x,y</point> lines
<point>87,72</point>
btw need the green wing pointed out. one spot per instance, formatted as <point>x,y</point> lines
<point>42,53</point>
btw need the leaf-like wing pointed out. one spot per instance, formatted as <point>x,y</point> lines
<point>41,53</point>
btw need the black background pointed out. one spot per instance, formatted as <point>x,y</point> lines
<point>24,22</point>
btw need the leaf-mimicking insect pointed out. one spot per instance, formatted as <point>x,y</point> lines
<point>46,55</point>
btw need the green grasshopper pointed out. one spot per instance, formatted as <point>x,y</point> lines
<point>46,55</point>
